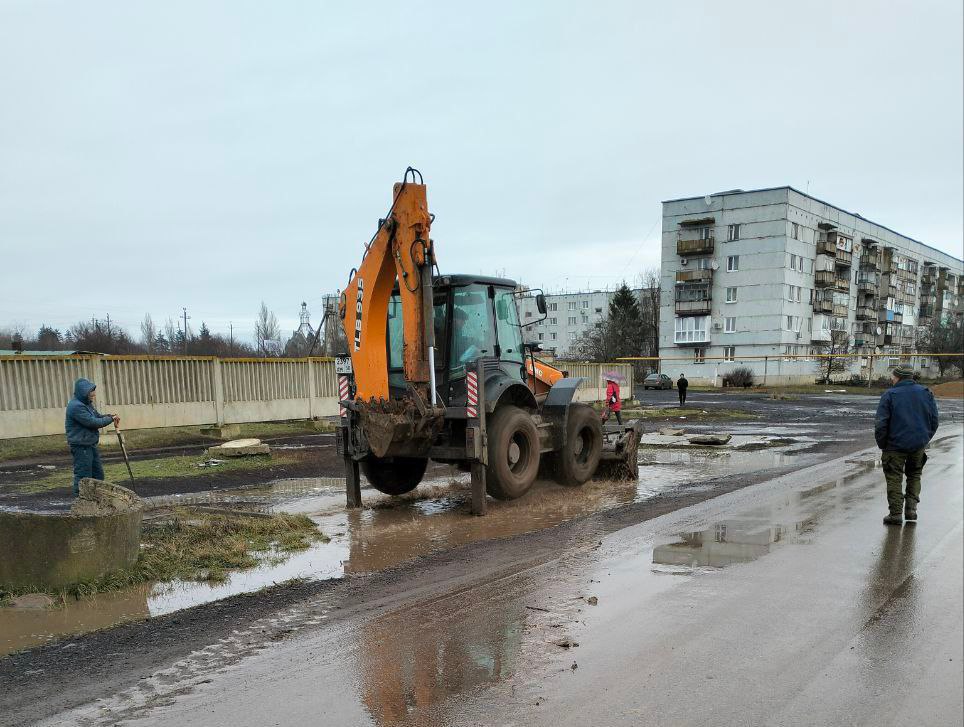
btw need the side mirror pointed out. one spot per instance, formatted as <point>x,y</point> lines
<point>541,304</point>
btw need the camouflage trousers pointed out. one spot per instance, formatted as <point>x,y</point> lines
<point>896,465</point>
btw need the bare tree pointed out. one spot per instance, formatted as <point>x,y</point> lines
<point>148,333</point>
<point>833,361</point>
<point>945,336</point>
<point>267,332</point>
<point>649,309</point>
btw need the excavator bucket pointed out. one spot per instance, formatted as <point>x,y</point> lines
<point>620,451</point>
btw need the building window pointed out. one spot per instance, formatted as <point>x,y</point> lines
<point>692,329</point>
<point>732,263</point>
<point>733,233</point>
<point>553,306</point>
<point>729,353</point>
<point>573,335</point>
<point>572,305</point>
<point>731,295</point>
<point>794,293</point>
<point>553,321</point>
<point>542,336</point>
<point>598,310</point>
<point>729,325</point>
<point>794,323</point>
<point>706,233</point>
<point>585,304</point>
<point>528,314</point>
<point>794,230</point>
<point>572,320</point>
<point>552,336</point>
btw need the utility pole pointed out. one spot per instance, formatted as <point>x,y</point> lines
<point>186,317</point>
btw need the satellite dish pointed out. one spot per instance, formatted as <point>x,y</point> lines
<point>708,200</point>
<point>716,266</point>
<point>879,330</point>
<point>877,350</point>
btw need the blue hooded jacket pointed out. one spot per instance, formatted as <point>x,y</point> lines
<point>83,421</point>
<point>906,417</point>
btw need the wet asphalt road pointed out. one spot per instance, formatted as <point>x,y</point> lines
<point>787,603</point>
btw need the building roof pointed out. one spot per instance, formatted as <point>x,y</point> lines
<point>815,199</point>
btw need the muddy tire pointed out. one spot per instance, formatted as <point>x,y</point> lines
<point>577,461</point>
<point>394,475</point>
<point>513,453</point>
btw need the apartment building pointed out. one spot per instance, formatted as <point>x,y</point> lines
<point>569,316</point>
<point>753,278</point>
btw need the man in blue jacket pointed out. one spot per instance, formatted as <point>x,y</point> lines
<point>82,424</point>
<point>906,422</point>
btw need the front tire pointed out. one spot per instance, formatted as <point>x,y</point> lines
<point>578,459</point>
<point>513,453</point>
<point>394,475</point>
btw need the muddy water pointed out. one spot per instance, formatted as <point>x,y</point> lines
<point>388,531</point>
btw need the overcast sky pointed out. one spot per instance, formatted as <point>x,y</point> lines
<point>216,154</point>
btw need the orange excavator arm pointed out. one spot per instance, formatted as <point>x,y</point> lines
<point>401,250</point>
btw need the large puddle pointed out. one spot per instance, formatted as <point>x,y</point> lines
<point>389,531</point>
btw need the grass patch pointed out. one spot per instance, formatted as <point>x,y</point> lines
<point>674,412</point>
<point>30,447</point>
<point>198,546</point>
<point>163,468</point>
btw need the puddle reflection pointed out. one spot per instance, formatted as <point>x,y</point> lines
<point>756,532</point>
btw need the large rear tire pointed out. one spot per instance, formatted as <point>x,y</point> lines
<point>578,459</point>
<point>394,475</point>
<point>513,453</point>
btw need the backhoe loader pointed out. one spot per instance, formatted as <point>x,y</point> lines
<point>437,369</point>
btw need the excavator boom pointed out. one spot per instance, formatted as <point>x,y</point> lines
<point>401,250</point>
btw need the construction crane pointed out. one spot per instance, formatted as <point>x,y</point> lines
<point>437,369</point>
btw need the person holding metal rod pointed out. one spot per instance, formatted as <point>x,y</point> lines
<point>83,424</point>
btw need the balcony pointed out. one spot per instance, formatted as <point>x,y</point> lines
<point>827,247</point>
<point>926,311</point>
<point>703,246</point>
<point>864,339</point>
<point>842,284</point>
<point>866,313</point>
<point>693,307</point>
<point>867,283</point>
<point>694,276</point>
<point>870,264</point>
<point>824,278</point>
<point>692,331</point>
<point>844,258</point>
<point>820,334</point>
<point>822,306</point>
<point>841,311</point>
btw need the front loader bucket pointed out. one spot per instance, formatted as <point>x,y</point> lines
<point>620,449</point>
<point>398,429</point>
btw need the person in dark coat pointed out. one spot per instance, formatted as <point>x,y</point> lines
<point>82,424</point>
<point>681,386</point>
<point>906,422</point>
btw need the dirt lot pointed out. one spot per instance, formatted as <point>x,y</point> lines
<point>949,389</point>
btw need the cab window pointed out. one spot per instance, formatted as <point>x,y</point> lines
<point>507,325</point>
<point>471,327</point>
<point>396,332</point>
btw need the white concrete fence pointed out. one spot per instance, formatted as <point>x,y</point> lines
<point>153,391</point>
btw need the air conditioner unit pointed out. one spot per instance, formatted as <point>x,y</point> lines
<point>683,261</point>
<point>717,326</point>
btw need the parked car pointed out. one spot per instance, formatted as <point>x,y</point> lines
<point>657,381</point>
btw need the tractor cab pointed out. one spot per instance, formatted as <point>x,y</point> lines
<point>475,317</point>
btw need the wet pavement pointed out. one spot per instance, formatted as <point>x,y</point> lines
<point>787,602</point>
<point>390,531</point>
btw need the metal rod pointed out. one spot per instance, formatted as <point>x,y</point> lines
<point>431,372</point>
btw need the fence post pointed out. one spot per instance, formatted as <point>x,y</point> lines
<point>218,378</point>
<point>312,389</point>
